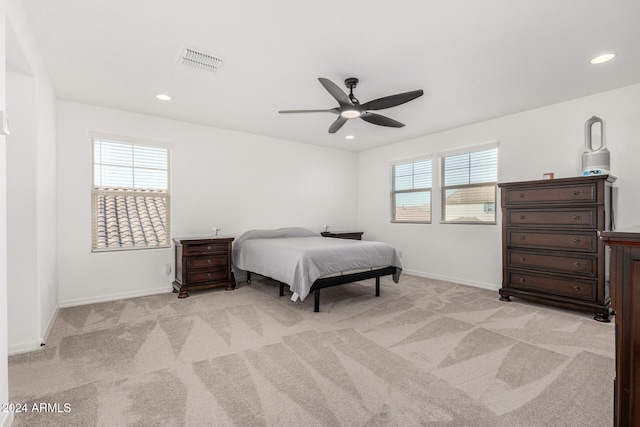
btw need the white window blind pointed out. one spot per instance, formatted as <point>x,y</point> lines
<point>130,196</point>
<point>469,182</point>
<point>411,191</point>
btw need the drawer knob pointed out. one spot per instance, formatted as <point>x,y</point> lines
<point>208,247</point>
<point>576,217</point>
<point>208,274</point>
<point>522,280</point>
<point>576,264</point>
<point>522,258</point>
<point>522,238</point>
<point>521,194</point>
<point>576,287</point>
<point>576,192</point>
<point>576,241</point>
<point>521,216</point>
<point>209,260</point>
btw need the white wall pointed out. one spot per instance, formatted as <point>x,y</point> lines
<point>5,418</point>
<point>31,190</point>
<point>230,180</point>
<point>22,233</point>
<point>549,139</point>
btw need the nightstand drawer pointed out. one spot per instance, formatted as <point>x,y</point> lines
<point>560,262</point>
<point>578,193</point>
<point>586,241</point>
<point>555,285</point>
<point>560,218</point>
<point>213,274</point>
<point>206,248</point>
<point>207,262</point>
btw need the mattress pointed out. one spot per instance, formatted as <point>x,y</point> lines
<point>298,257</point>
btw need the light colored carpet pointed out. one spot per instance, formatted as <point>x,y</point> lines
<point>425,353</point>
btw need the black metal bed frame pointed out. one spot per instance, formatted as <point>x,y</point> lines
<point>328,282</point>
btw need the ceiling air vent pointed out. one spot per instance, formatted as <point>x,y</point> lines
<point>198,60</point>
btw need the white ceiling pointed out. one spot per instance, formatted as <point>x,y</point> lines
<point>475,60</point>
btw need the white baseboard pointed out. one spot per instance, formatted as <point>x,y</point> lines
<point>27,346</point>
<point>6,419</point>
<point>481,285</point>
<point>23,347</point>
<point>114,297</point>
<point>52,320</point>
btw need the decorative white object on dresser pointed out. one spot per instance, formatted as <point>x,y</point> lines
<point>551,250</point>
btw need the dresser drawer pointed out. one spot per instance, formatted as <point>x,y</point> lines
<point>207,262</point>
<point>210,275</point>
<point>206,248</point>
<point>574,193</point>
<point>584,290</point>
<point>559,262</point>
<point>587,242</point>
<point>557,218</point>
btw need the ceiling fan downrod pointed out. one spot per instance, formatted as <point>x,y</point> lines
<point>351,83</point>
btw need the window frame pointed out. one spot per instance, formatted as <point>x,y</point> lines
<point>394,192</point>
<point>444,188</point>
<point>133,191</point>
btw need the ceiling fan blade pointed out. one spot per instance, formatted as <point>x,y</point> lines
<point>333,110</point>
<point>392,101</point>
<point>380,120</point>
<point>337,124</point>
<point>336,92</point>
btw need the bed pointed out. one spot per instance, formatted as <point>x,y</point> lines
<point>307,262</point>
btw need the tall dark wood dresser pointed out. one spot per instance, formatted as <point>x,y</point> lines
<point>551,251</point>
<point>625,300</point>
<point>201,263</point>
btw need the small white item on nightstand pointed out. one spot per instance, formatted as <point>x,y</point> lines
<point>326,228</point>
<point>216,230</point>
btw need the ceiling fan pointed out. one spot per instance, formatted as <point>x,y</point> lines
<point>350,107</point>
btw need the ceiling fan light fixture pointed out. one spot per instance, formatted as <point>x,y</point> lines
<point>603,58</point>
<point>349,137</point>
<point>350,114</point>
<point>163,97</point>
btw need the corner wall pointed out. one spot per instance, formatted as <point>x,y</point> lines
<point>548,139</point>
<point>31,192</point>
<point>6,418</point>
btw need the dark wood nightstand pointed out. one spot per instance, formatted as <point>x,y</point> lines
<point>201,263</point>
<point>353,235</point>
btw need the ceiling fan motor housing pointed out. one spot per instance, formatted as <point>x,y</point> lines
<point>351,82</point>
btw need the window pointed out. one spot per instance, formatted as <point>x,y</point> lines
<point>130,196</point>
<point>411,191</point>
<point>469,182</point>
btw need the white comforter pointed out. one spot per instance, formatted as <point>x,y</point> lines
<point>298,257</point>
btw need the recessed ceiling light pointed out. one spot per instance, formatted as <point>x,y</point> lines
<point>349,137</point>
<point>603,58</point>
<point>163,97</point>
